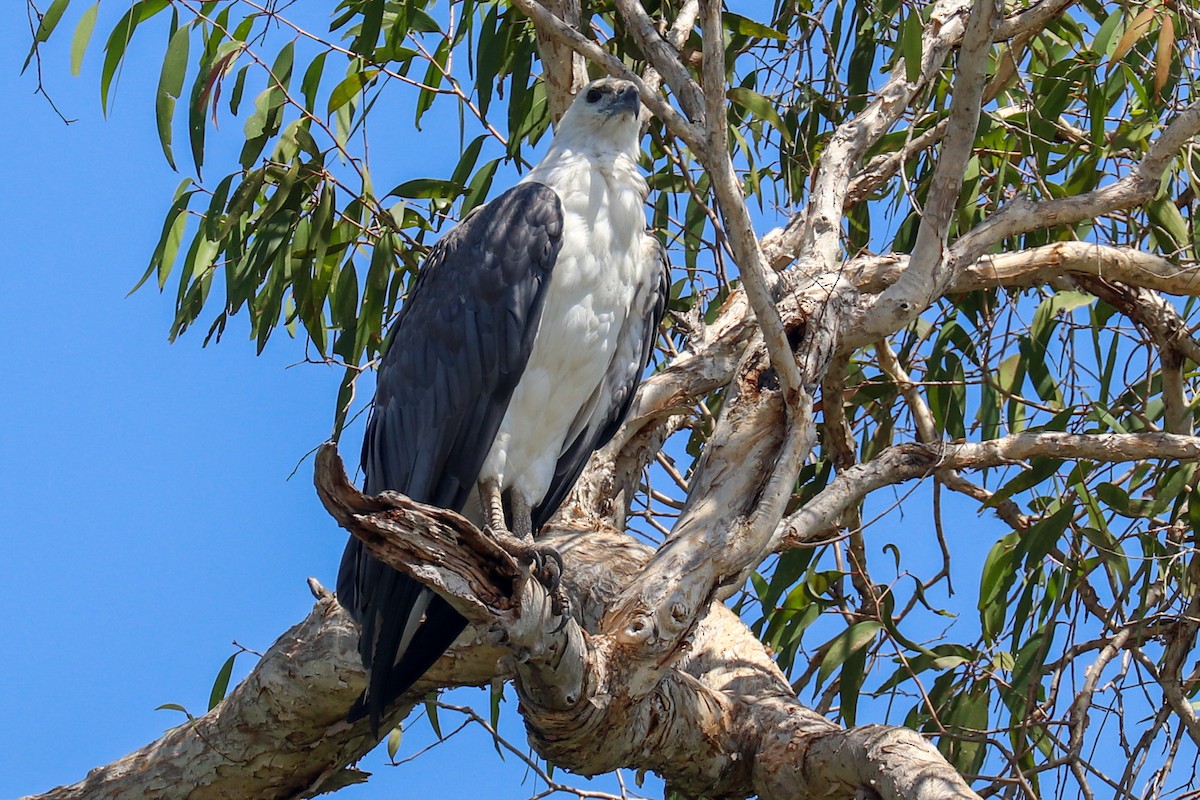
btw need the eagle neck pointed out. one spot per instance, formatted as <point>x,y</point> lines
<point>566,165</point>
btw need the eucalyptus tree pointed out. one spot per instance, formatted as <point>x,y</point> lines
<point>945,246</point>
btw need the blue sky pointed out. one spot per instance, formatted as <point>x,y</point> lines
<point>146,511</point>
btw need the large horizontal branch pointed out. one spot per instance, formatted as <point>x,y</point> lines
<point>1039,266</point>
<point>711,723</point>
<point>1031,19</point>
<point>711,356</point>
<point>904,462</point>
<point>710,359</point>
<point>280,733</point>
<point>444,551</point>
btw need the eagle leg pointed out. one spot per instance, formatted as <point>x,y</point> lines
<point>493,505</point>
<point>522,523</point>
<point>546,563</point>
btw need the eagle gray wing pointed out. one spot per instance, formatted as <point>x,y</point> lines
<point>455,354</point>
<point>614,396</point>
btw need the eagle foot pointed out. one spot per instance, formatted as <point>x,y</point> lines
<point>546,566</point>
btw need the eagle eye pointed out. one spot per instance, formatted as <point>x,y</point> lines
<point>593,95</point>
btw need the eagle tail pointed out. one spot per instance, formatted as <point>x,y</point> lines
<point>397,646</point>
<point>441,626</point>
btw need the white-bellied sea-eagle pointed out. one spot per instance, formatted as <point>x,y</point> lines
<point>514,357</point>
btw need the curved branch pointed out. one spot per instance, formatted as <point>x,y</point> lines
<point>1023,214</point>
<point>928,269</point>
<point>564,71</point>
<point>663,57</point>
<point>816,233</point>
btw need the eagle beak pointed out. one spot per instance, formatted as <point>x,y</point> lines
<point>628,100</point>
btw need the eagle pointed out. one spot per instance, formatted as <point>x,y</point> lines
<point>515,355</point>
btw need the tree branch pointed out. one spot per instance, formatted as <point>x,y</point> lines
<point>554,28</point>
<point>816,234</point>
<point>907,461</point>
<point>721,722</point>
<point>927,268</point>
<point>664,57</point>
<point>1024,214</point>
<point>564,71</point>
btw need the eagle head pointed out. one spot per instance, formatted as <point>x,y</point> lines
<point>605,110</point>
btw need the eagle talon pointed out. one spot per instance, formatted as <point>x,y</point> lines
<point>545,565</point>
<point>560,604</point>
<point>549,573</point>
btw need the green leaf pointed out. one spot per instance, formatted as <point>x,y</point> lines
<point>488,54</point>
<point>169,240</point>
<point>495,699</point>
<point>760,106</point>
<point>466,163</point>
<point>239,88</point>
<point>1119,501</point>
<point>434,74</point>
<point>370,315</point>
<point>846,644</point>
<point>170,86</point>
<point>174,707</point>
<point>480,185</point>
<point>393,742</point>
<point>46,27</point>
<point>350,87</point>
<point>431,710</point>
<point>1031,658</point>
<point>221,684</point>
<point>996,578</point>
<point>850,681</point>
<point>83,35</point>
<point>425,188</point>
<point>1170,228</point>
<point>345,397</point>
<point>50,20</point>
<point>966,713</point>
<point>311,81</point>
<point>1037,542</point>
<point>1041,469</point>
<point>118,40</point>
<point>343,307</point>
<point>202,92</point>
<point>268,107</point>
<point>368,31</point>
<point>735,23</point>
<point>911,30</point>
